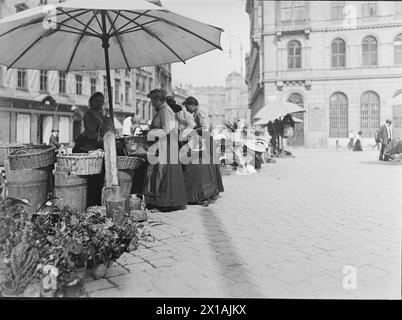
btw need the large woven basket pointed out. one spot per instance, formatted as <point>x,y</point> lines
<point>82,164</point>
<point>32,157</point>
<point>6,149</point>
<point>128,163</point>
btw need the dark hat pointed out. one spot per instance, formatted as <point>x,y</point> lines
<point>190,100</point>
<point>55,130</point>
<point>173,105</point>
<point>157,93</point>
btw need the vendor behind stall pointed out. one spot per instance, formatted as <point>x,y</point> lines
<point>95,126</point>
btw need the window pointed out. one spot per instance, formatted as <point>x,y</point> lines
<point>137,107</point>
<point>398,50</point>
<point>21,79</point>
<point>24,128</point>
<point>137,84</point>
<point>338,116</point>
<point>150,84</point>
<point>397,117</point>
<point>62,82</point>
<point>369,50</point>
<point>149,111</point>
<point>144,106</point>
<point>338,53</point>
<point>105,93</point>
<point>143,86</point>
<point>369,9</point>
<point>117,91</point>
<point>292,11</point>
<point>64,126</point>
<point>127,92</point>
<point>398,7</point>
<point>78,84</point>
<point>43,81</point>
<point>93,86</point>
<point>369,113</point>
<point>43,2</point>
<point>337,10</point>
<point>294,55</point>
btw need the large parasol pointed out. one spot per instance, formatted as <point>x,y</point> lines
<point>102,35</point>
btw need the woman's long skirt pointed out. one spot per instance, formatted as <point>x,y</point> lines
<point>164,186</point>
<point>199,178</point>
<point>358,146</point>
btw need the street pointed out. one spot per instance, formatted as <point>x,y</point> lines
<point>294,230</point>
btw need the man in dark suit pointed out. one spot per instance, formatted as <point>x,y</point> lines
<point>54,139</point>
<point>385,135</point>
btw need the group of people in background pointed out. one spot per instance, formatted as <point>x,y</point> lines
<point>169,184</point>
<point>355,143</point>
<point>383,137</point>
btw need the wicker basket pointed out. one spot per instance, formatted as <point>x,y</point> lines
<point>7,149</point>
<point>128,163</point>
<point>33,157</point>
<point>82,164</point>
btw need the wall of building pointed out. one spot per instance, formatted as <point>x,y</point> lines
<point>317,80</point>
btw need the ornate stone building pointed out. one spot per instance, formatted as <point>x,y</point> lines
<point>340,60</point>
<point>23,118</point>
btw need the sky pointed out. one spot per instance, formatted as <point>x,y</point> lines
<point>212,68</point>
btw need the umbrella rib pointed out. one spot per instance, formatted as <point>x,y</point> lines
<point>47,33</point>
<point>181,27</point>
<point>132,29</point>
<point>39,20</point>
<point>156,37</point>
<point>111,23</point>
<point>78,43</point>
<point>118,40</point>
<point>136,18</point>
<point>80,22</point>
<point>96,17</point>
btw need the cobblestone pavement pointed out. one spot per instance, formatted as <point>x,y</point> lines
<point>287,232</point>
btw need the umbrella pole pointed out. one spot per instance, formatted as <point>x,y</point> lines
<point>106,45</point>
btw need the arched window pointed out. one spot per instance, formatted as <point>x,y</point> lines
<point>397,117</point>
<point>369,113</point>
<point>298,138</point>
<point>398,49</point>
<point>294,55</point>
<point>338,115</point>
<point>369,51</point>
<point>338,53</point>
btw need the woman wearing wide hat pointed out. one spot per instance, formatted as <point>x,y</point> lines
<point>164,187</point>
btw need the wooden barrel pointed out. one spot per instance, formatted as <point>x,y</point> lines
<point>30,184</point>
<point>126,182</point>
<point>70,189</point>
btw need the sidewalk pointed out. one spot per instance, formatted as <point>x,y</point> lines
<point>287,232</point>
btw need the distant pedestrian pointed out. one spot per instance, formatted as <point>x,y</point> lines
<point>385,135</point>
<point>358,144</point>
<point>54,139</point>
<point>351,141</point>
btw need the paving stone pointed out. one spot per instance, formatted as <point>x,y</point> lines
<point>286,232</point>
<point>97,285</point>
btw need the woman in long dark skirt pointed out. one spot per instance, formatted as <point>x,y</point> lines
<point>95,127</point>
<point>208,180</point>
<point>198,178</point>
<point>164,187</point>
<point>358,144</point>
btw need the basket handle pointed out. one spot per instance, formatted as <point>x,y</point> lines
<point>20,152</point>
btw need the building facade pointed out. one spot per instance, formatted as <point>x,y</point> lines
<point>340,60</point>
<point>23,118</point>
<point>236,99</point>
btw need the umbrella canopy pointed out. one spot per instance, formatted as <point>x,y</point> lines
<point>276,111</point>
<point>71,35</point>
